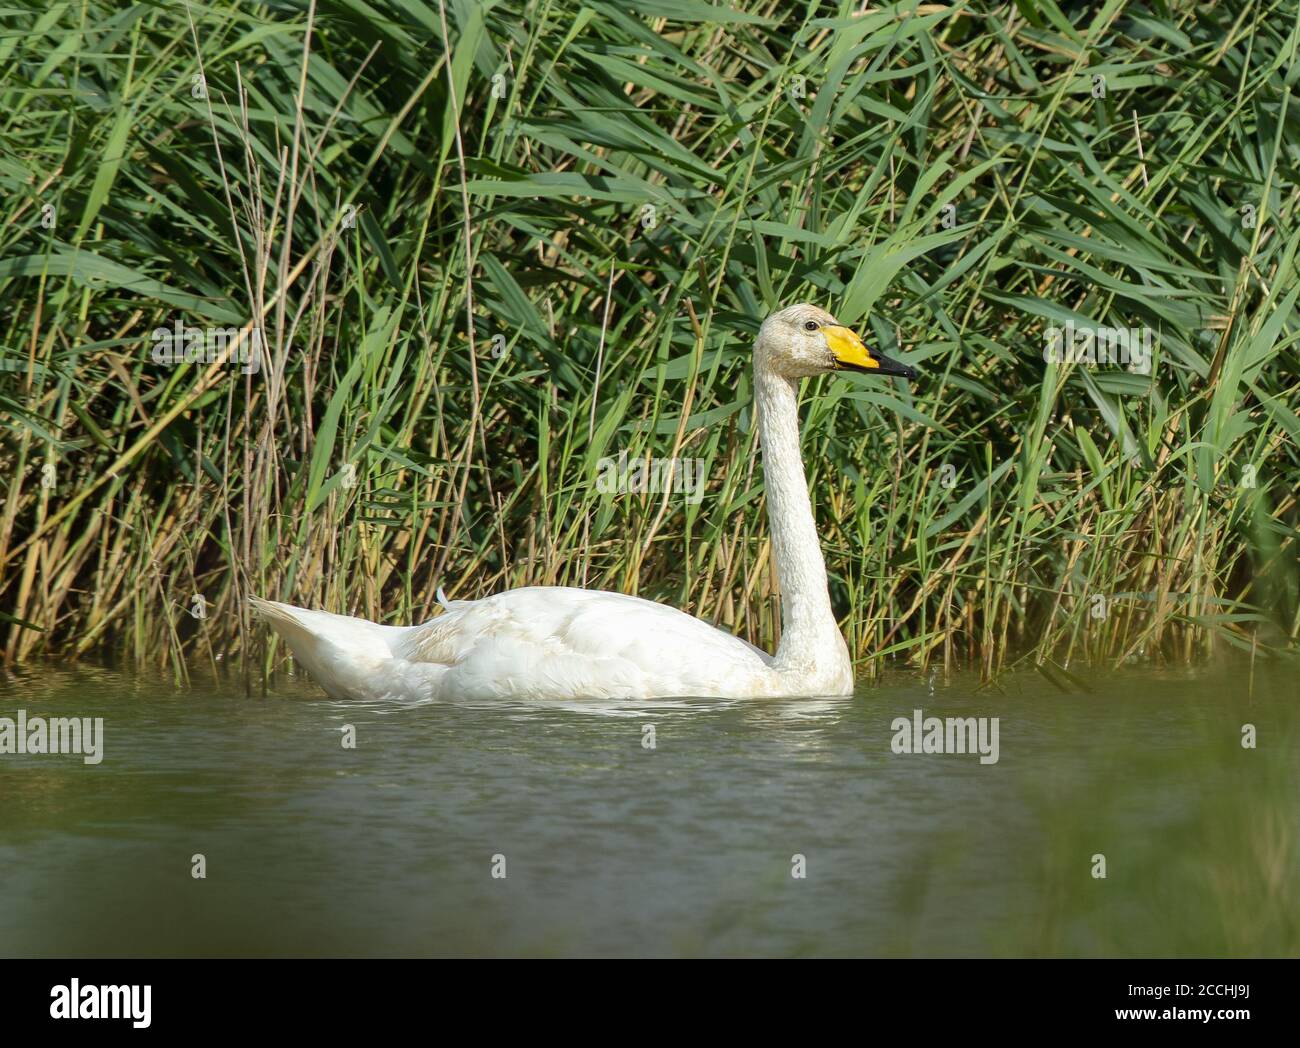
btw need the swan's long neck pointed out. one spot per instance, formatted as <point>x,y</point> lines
<point>811,643</point>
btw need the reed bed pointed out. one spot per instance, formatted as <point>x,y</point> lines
<point>483,249</point>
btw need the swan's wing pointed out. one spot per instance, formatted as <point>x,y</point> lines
<point>563,642</point>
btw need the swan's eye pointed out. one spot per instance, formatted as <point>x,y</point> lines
<point>811,325</point>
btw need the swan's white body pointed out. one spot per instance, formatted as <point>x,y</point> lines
<point>539,642</point>
<point>563,643</point>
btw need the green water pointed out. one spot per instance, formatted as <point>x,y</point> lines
<point>614,848</point>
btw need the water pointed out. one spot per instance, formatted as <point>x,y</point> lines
<point>613,848</point>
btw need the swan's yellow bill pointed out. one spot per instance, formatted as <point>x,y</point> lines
<point>848,348</point>
<point>851,353</point>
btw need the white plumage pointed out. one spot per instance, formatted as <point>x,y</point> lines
<point>565,643</point>
<point>538,642</point>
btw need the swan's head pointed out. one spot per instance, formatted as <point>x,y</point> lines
<point>802,341</point>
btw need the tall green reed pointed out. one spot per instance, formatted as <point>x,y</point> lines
<point>487,246</point>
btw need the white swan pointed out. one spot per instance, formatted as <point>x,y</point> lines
<point>563,643</point>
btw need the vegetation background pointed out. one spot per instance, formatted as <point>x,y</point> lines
<point>486,244</point>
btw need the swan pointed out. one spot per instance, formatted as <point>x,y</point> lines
<point>560,643</point>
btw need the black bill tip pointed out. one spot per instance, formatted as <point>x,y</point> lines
<point>884,366</point>
<point>895,368</point>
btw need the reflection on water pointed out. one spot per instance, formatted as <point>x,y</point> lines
<point>656,828</point>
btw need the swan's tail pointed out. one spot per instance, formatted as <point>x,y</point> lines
<point>340,652</point>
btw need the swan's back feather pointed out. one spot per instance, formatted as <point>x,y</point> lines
<point>562,642</point>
